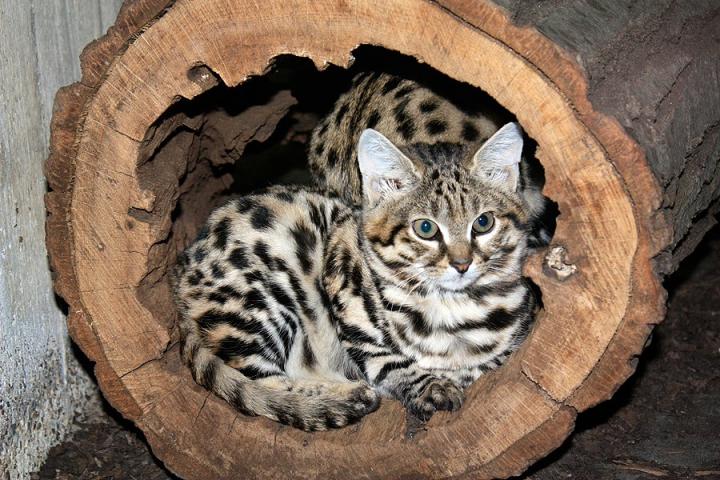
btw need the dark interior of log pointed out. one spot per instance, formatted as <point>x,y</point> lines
<point>229,141</point>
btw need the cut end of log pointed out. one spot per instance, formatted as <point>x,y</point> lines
<point>185,104</point>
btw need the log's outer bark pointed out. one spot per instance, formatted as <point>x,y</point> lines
<point>654,66</point>
<point>69,111</point>
<point>513,417</point>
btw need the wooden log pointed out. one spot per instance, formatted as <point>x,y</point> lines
<point>120,208</point>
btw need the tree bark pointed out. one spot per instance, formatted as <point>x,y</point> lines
<point>633,202</point>
<point>655,68</point>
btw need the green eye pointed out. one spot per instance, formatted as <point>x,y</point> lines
<point>425,229</point>
<point>484,223</point>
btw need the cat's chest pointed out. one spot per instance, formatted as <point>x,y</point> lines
<point>432,330</point>
<point>432,314</point>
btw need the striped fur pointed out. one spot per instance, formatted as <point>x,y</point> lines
<point>301,309</point>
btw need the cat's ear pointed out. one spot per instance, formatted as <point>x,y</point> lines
<point>498,160</point>
<point>385,170</point>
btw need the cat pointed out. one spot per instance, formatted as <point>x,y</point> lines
<point>300,308</point>
<point>406,112</point>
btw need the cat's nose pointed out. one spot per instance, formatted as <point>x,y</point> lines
<point>461,264</point>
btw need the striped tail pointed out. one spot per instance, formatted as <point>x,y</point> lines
<point>305,404</point>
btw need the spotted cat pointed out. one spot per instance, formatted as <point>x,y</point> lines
<point>302,309</point>
<point>406,112</point>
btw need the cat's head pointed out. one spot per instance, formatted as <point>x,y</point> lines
<point>442,218</point>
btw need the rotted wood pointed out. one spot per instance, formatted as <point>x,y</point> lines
<point>114,228</point>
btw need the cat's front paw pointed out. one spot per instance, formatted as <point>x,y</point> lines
<point>440,394</point>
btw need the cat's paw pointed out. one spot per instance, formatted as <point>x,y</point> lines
<point>364,399</point>
<point>440,394</point>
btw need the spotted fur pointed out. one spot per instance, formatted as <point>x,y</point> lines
<point>304,310</point>
<point>407,113</point>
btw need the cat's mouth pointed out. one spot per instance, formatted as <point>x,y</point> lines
<point>454,281</point>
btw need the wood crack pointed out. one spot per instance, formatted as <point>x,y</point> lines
<point>671,88</point>
<point>201,407</point>
<point>540,388</point>
<point>115,130</point>
<point>143,364</point>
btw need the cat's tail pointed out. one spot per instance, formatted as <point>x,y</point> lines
<point>541,210</point>
<point>306,404</point>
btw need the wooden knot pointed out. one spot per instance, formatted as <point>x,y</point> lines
<point>203,76</point>
<point>557,264</point>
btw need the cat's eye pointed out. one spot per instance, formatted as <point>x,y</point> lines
<point>425,228</point>
<point>484,223</point>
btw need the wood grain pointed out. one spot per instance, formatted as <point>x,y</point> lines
<point>117,233</point>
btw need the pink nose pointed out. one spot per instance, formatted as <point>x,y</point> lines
<point>461,264</point>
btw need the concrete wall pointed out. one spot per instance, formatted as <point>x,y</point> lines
<point>41,384</point>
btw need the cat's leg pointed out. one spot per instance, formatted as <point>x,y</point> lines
<point>357,312</point>
<point>312,404</point>
<point>464,377</point>
<point>422,391</point>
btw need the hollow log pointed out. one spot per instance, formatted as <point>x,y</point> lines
<point>622,99</point>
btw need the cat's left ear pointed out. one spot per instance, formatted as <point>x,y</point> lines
<point>498,160</point>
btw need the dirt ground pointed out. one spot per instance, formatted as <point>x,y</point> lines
<point>663,423</point>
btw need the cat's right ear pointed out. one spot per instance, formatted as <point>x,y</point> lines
<point>386,171</point>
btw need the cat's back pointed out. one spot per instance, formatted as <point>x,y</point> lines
<point>403,110</point>
<point>277,233</point>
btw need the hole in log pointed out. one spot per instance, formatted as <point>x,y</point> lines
<point>229,141</point>
<point>204,77</point>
